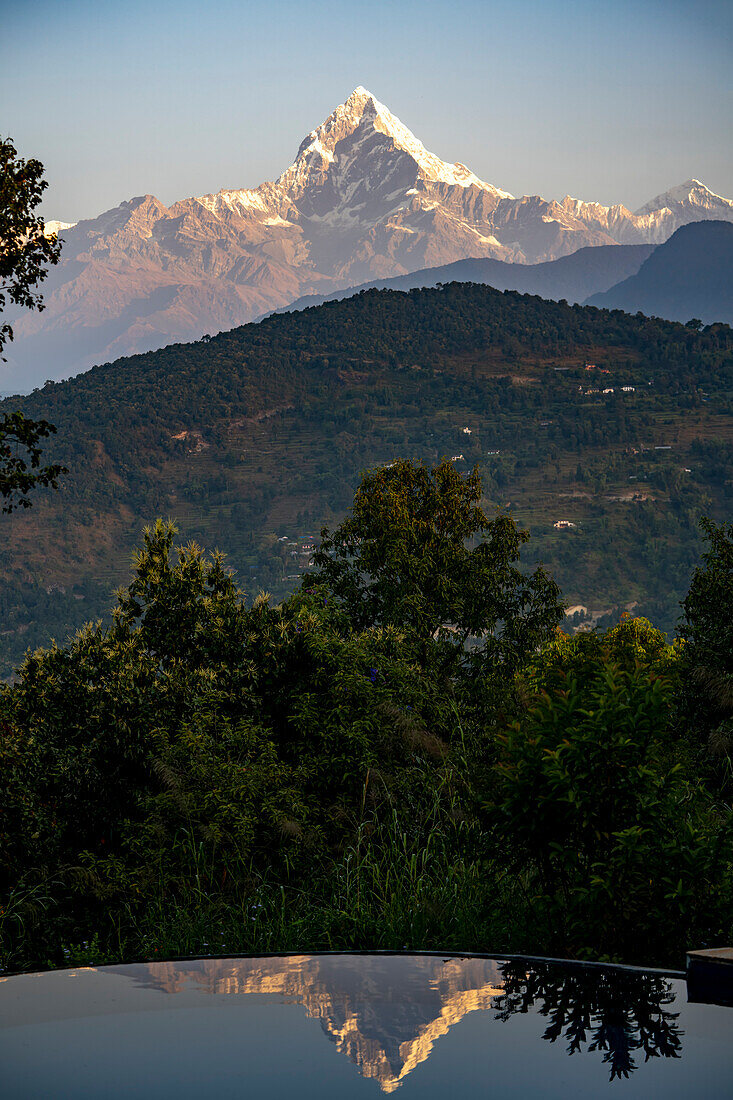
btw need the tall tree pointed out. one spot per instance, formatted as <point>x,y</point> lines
<point>25,248</point>
<point>418,553</point>
<point>26,251</point>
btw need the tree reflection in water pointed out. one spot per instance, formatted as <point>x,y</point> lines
<point>617,1012</point>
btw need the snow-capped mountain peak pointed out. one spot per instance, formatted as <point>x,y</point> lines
<point>363,200</point>
<point>362,111</point>
<point>691,194</point>
<point>56,227</point>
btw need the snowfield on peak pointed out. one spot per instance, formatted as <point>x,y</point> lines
<point>691,193</point>
<point>349,135</point>
<point>363,200</point>
<point>49,228</point>
<point>362,106</point>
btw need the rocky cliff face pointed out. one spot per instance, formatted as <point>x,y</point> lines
<point>363,199</point>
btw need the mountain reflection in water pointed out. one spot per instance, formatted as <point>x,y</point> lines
<point>386,1016</point>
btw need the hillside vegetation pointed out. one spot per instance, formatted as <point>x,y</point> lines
<point>251,440</point>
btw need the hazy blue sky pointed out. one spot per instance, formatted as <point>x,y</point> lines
<point>610,101</point>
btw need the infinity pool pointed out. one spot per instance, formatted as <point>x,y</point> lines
<point>331,1026</point>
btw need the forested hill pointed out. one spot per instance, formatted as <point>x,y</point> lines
<point>239,372</point>
<point>253,438</point>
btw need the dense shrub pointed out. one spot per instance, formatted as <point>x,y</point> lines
<point>619,851</point>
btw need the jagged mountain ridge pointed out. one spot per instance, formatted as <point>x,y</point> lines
<point>363,200</point>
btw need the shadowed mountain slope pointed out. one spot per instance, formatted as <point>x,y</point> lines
<point>691,275</point>
<point>574,277</point>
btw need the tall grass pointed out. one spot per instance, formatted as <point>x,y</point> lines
<point>398,885</point>
<point>387,890</point>
<point>418,880</point>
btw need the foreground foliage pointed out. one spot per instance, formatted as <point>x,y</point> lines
<point>26,250</point>
<point>404,753</point>
<point>609,833</point>
<point>20,460</point>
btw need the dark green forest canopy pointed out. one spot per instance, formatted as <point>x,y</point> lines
<point>262,433</point>
<point>195,385</point>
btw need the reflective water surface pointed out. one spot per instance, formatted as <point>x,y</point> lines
<point>357,1025</point>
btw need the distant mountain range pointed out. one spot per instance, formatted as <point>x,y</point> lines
<point>689,276</point>
<point>363,200</point>
<point>574,277</point>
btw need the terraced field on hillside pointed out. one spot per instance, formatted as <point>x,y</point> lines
<point>255,439</point>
